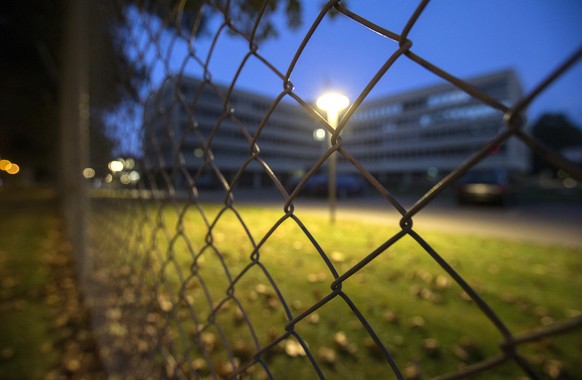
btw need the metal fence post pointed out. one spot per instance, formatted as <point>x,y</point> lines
<point>74,119</point>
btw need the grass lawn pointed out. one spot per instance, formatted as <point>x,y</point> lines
<point>212,292</point>
<point>220,292</point>
<point>44,331</point>
<point>26,337</point>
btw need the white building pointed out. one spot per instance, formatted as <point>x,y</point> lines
<point>182,119</point>
<point>400,139</point>
<point>429,132</point>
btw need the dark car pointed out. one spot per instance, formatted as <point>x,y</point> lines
<point>485,186</point>
<point>346,185</point>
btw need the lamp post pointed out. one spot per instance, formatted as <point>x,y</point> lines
<point>332,104</point>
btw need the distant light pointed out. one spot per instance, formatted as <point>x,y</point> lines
<point>88,173</point>
<point>115,166</point>
<point>13,169</point>
<point>332,102</point>
<point>570,183</point>
<point>125,179</point>
<point>129,163</point>
<point>432,172</point>
<point>198,152</point>
<point>562,174</point>
<point>108,178</point>
<point>5,164</point>
<point>134,176</point>
<point>319,134</point>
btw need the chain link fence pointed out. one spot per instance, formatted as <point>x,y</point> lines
<point>189,280</point>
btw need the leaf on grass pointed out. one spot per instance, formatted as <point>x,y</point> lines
<point>443,282</point>
<point>343,344</point>
<point>327,355</point>
<point>316,277</point>
<point>6,353</point>
<point>412,371</point>
<point>313,318</point>
<point>431,347</point>
<point>164,302</point>
<point>391,316</point>
<point>416,322</point>
<point>467,351</point>
<point>243,350</point>
<point>338,257</point>
<point>261,288</point>
<point>208,339</point>
<point>554,369</point>
<point>294,349</point>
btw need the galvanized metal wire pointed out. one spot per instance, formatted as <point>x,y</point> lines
<point>146,260</point>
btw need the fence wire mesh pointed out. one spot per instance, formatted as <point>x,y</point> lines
<point>191,281</point>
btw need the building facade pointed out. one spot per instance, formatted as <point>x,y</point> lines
<point>402,139</point>
<point>187,116</point>
<point>428,132</point>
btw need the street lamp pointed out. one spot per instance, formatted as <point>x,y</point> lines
<point>115,166</point>
<point>332,103</point>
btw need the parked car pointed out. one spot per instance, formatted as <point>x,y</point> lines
<point>485,186</point>
<point>346,185</point>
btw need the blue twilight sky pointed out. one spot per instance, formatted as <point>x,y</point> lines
<point>464,37</point>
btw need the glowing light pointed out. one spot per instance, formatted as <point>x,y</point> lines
<point>129,163</point>
<point>115,166</point>
<point>332,102</point>
<point>125,179</point>
<point>431,173</point>
<point>570,183</point>
<point>108,178</point>
<point>5,164</point>
<point>319,134</point>
<point>134,176</point>
<point>13,169</point>
<point>88,173</point>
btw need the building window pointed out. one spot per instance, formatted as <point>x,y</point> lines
<point>447,98</point>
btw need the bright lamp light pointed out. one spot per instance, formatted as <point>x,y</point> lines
<point>115,166</point>
<point>319,134</point>
<point>332,102</point>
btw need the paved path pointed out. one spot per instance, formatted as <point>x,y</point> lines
<point>547,223</point>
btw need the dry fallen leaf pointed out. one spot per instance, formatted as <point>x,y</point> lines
<point>6,353</point>
<point>293,348</point>
<point>412,371</point>
<point>416,322</point>
<point>338,257</point>
<point>164,302</point>
<point>432,347</point>
<point>327,355</point>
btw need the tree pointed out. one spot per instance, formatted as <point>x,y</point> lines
<point>556,131</point>
<point>187,15</point>
<point>31,34</point>
<point>30,45</point>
